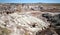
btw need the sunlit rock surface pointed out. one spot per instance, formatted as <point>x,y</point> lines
<point>22,24</point>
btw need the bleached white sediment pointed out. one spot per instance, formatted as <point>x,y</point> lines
<point>21,24</point>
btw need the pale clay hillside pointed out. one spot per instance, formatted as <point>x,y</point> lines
<point>29,19</point>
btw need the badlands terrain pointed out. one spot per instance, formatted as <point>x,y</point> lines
<point>29,19</point>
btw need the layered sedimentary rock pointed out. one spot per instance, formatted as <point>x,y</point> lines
<point>22,24</point>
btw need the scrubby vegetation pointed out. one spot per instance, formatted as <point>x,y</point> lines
<point>4,31</point>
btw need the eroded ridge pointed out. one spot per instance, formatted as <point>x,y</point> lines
<point>22,24</point>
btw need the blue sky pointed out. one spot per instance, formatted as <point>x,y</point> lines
<point>29,1</point>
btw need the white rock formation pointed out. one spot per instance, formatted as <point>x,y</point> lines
<point>22,24</point>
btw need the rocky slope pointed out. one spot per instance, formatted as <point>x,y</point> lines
<point>29,19</point>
